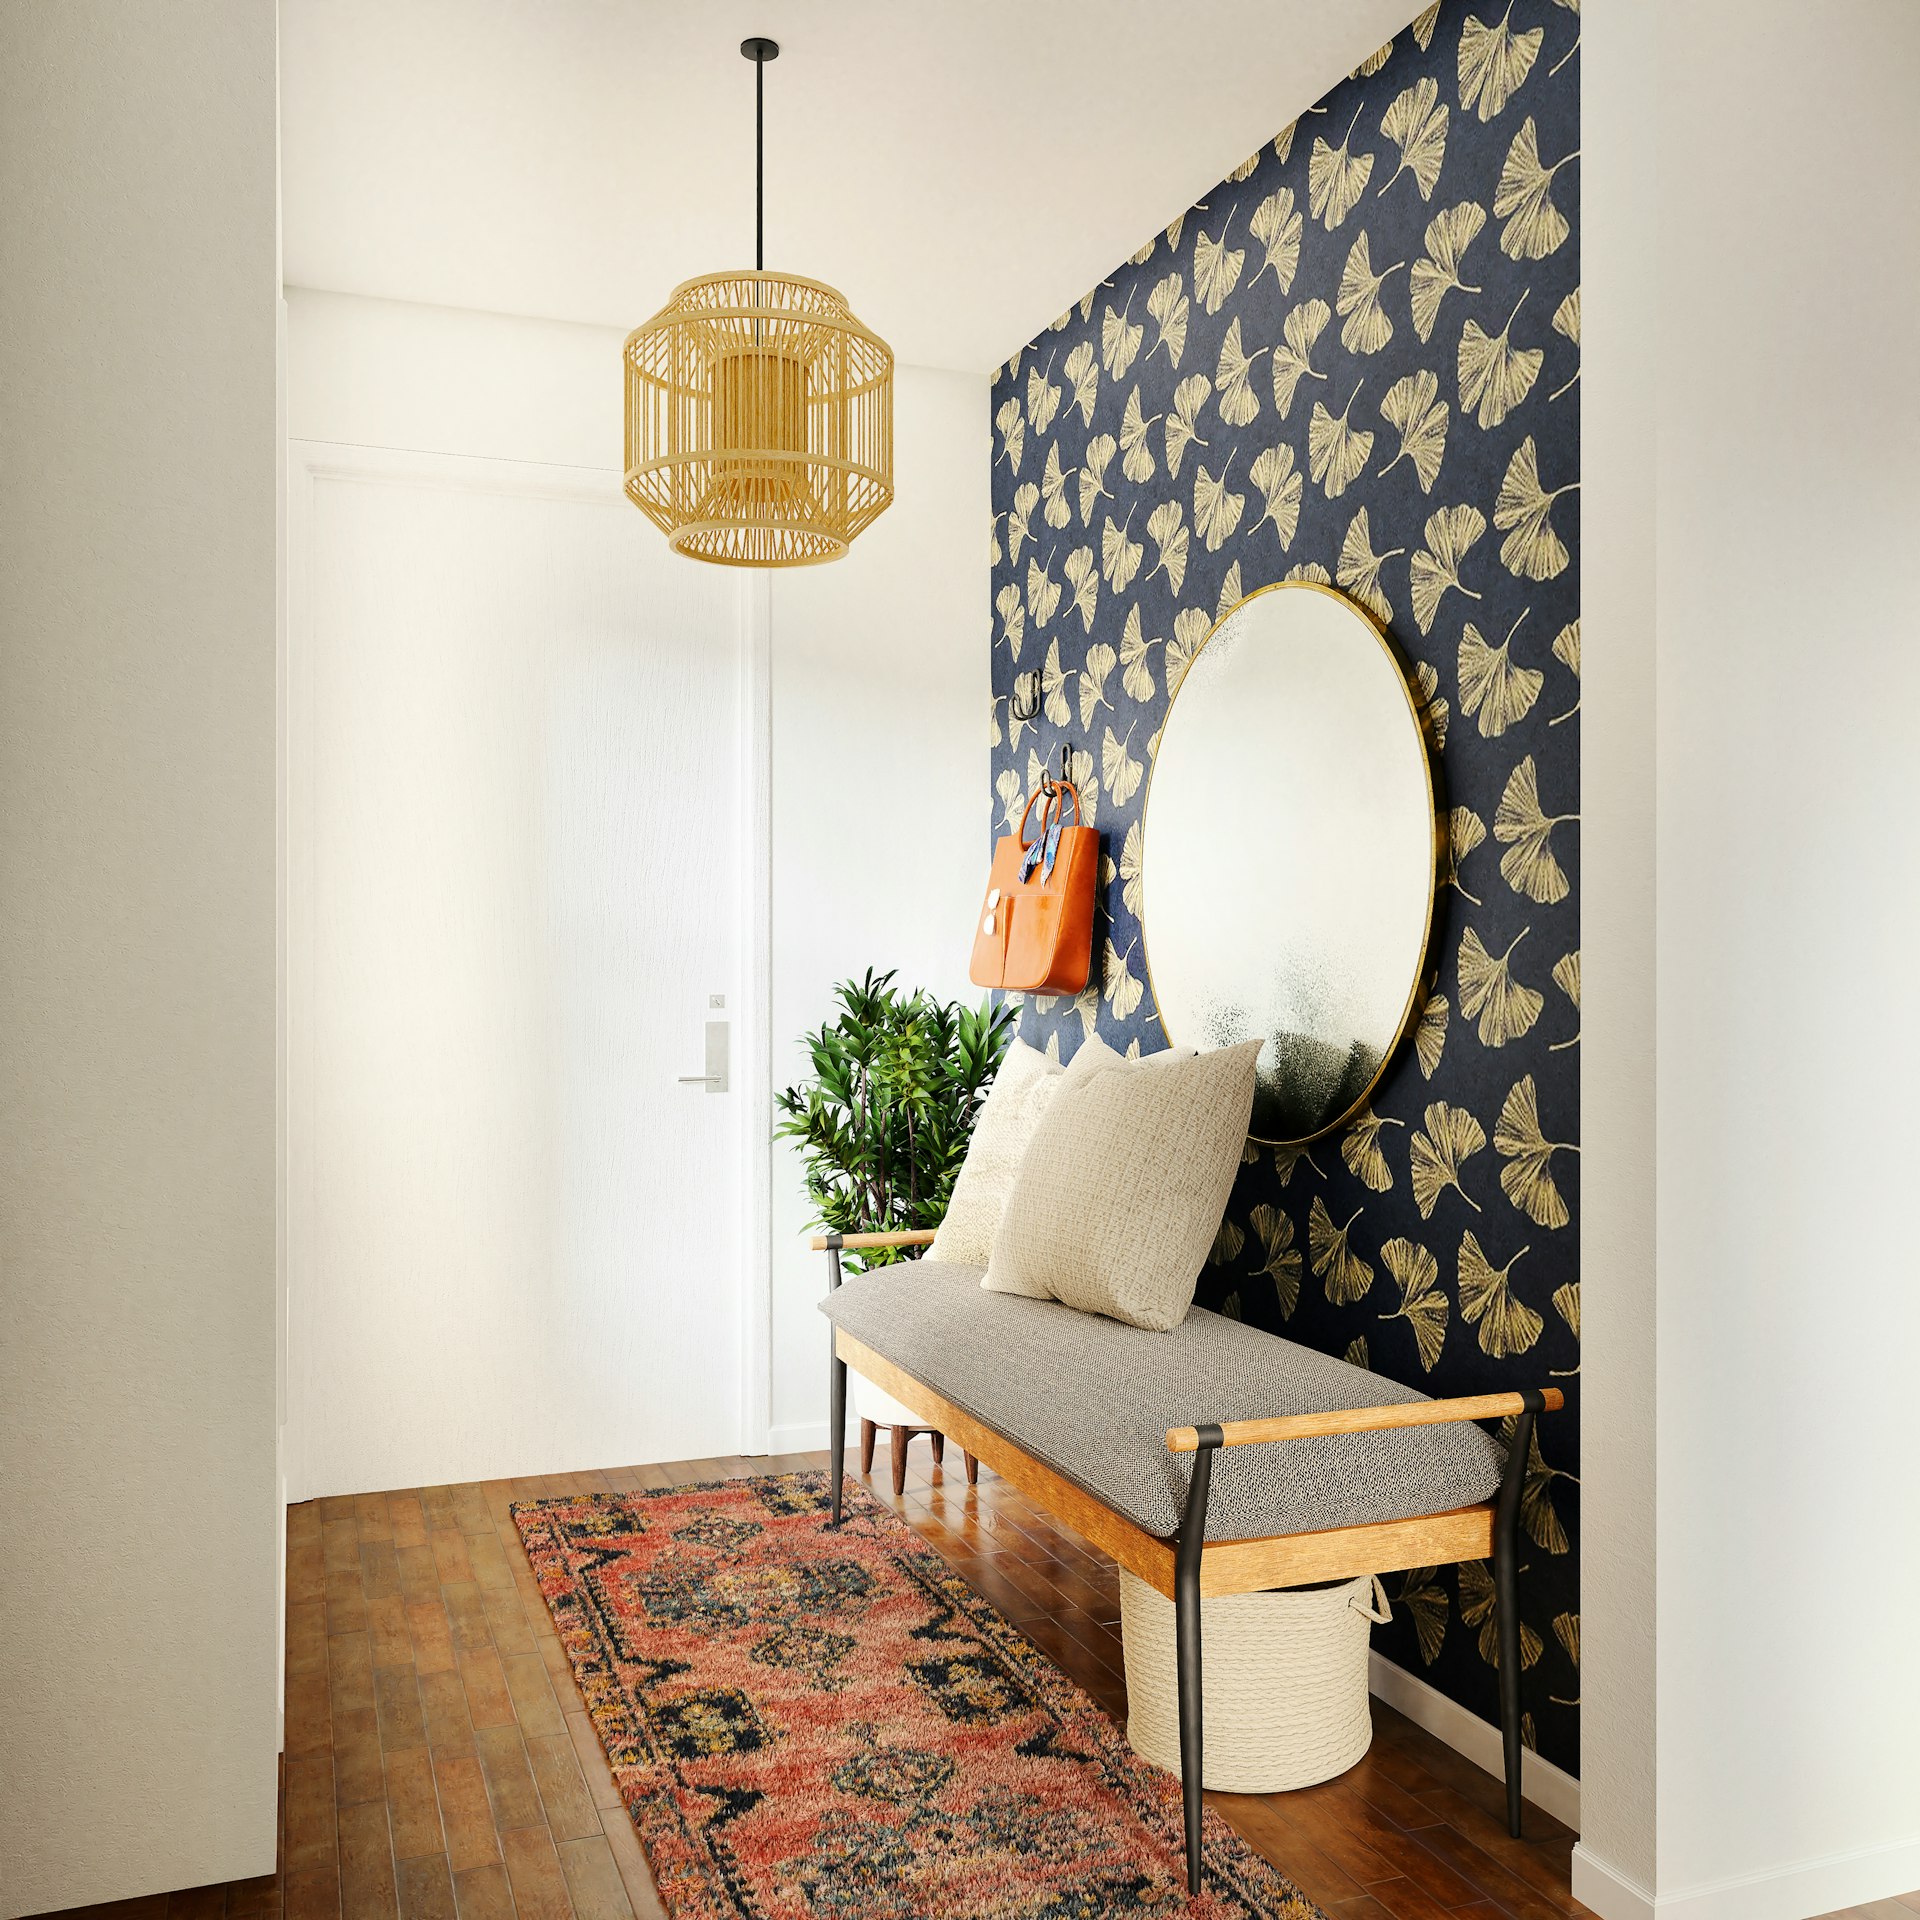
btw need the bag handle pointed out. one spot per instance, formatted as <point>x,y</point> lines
<point>1059,786</point>
<point>1373,1606</point>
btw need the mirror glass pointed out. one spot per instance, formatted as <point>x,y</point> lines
<point>1287,862</point>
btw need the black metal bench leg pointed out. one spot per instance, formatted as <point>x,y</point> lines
<point>836,1393</point>
<point>1506,1597</point>
<point>1186,1626</point>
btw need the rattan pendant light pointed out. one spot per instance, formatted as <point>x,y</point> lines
<point>759,410</point>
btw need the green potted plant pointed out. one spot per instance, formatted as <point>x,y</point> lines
<point>883,1124</point>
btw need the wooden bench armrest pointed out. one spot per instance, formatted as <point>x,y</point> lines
<point>1414,1413</point>
<point>852,1242</point>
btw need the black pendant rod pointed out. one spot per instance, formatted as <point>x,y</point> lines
<point>759,51</point>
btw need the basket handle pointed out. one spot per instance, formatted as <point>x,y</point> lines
<point>1374,1605</point>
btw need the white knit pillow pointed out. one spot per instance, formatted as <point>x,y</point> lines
<point>1021,1091</point>
<point>1123,1187</point>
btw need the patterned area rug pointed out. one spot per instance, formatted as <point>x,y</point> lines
<point>810,1723</point>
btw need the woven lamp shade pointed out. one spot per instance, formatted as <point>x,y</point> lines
<point>759,421</point>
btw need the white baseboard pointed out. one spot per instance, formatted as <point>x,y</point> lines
<point>808,1436</point>
<point>1547,1786</point>
<point>1786,1893</point>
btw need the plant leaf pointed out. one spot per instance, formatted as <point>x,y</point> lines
<point>1450,1138</point>
<point>1083,376</point>
<point>1431,279</point>
<point>1531,549</point>
<point>1416,123</point>
<point>1451,533</point>
<point>1423,1305</point>
<point>1346,1275</point>
<point>1413,406</point>
<point>1493,63</point>
<point>1494,375</point>
<point>1013,432</point>
<point>1119,557</point>
<point>1238,403</point>
<point>1216,512</point>
<point>1522,826</point>
<point>1167,529</point>
<point>1216,270</point>
<point>1277,225</point>
<point>1524,199</point>
<point>1364,327</point>
<point>1137,457</point>
<point>1508,1326</point>
<point>1167,304</point>
<point>1292,360</point>
<point>1360,1149</point>
<point>1359,568</point>
<point>1119,342</point>
<point>1043,397</point>
<point>1527,1178</point>
<point>1282,1262</point>
<point>1336,451</point>
<point>1053,488</point>
<point>1181,431</point>
<point>1495,690</point>
<point>1336,178</point>
<point>1504,1008</point>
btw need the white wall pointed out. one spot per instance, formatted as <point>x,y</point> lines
<point>1785,719</point>
<point>140,1582</point>
<point>880,799</point>
<point>878,696</point>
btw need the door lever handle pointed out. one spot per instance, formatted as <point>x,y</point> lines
<point>715,1077</point>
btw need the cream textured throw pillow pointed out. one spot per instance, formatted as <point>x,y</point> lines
<point>1021,1091</point>
<point>1123,1186</point>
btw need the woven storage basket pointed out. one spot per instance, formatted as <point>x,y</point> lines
<point>1284,1676</point>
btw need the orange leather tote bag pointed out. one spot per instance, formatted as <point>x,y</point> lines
<point>1035,931</point>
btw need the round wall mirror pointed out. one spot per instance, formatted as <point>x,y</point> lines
<point>1288,854</point>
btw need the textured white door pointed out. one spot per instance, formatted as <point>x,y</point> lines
<point>515,878</point>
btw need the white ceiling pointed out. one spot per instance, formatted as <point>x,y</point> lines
<point>961,171</point>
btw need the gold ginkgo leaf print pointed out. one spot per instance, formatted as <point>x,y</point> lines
<point>1525,829</point>
<point>1310,570</point>
<point>1566,976</point>
<point>1524,199</point>
<point>1012,424</point>
<point>1372,64</point>
<point>1494,61</point>
<point>1423,1306</point>
<point>1093,476</point>
<point>1359,568</point>
<point>1537,1513</point>
<point>1093,682</point>
<point>1293,359</point>
<point>1434,710</point>
<point>1013,796</point>
<point>1043,397</point>
<point>1465,831</point>
<point>1566,1626</point>
<point>1286,1160</point>
<point>1216,268</point>
<point>1360,1148</point>
<point>1136,664</point>
<point>1413,407</point>
<point>1493,688</point>
<point>1083,377</point>
<point>1566,1303</point>
<point>1478,1610</point>
<point>1174,227</point>
<point>1337,451</point>
<point>1119,557</point>
<point>1504,1007</point>
<point>1364,326</point>
<point>1426,1604</point>
<point>1190,627</point>
<point>1053,488</point>
<point>1531,549</point>
<point>1013,617</point>
<point>1346,1275</point>
<point>1450,1138</point>
<point>1281,484</point>
<point>1054,682</point>
<point>1119,340</point>
<point>1437,274</point>
<point>1167,304</point>
<point>1356,1353</point>
<point>1277,225</point>
<point>1132,858</point>
<point>1121,988</point>
<point>1182,430</point>
<point>1026,497</point>
<point>1508,1326</point>
<point>1451,533</point>
<point>1566,323</point>
<point>1166,527</point>
<point>1226,1248</point>
<point>994,735</point>
<point>1566,649</point>
<point>1282,1258</point>
<point>1527,1178</point>
<point>1495,376</point>
<point>1084,578</point>
<point>1216,512</point>
<point>1416,123</point>
<point>1119,768</point>
<point>1422,28</point>
<point>1573,7</point>
<point>1336,178</point>
<point>1244,171</point>
<point>1430,1036</point>
<point>1136,460</point>
<point>1043,592</point>
<point>1230,595</point>
<point>993,541</point>
<point>1238,403</point>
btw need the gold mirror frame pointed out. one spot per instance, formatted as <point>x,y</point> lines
<point>1416,711</point>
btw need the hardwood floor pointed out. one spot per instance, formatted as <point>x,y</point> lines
<point>440,1765</point>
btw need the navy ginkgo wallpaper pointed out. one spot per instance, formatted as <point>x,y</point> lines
<point>1356,361</point>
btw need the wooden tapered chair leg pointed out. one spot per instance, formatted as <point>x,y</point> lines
<point>868,1430</point>
<point>939,1446</point>
<point>901,1435</point>
<point>973,1469</point>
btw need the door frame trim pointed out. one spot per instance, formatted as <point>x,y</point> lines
<point>309,462</point>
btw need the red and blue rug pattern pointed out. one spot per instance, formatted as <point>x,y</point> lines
<point>806,1722</point>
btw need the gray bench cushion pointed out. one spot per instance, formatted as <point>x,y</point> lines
<point>1093,1400</point>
